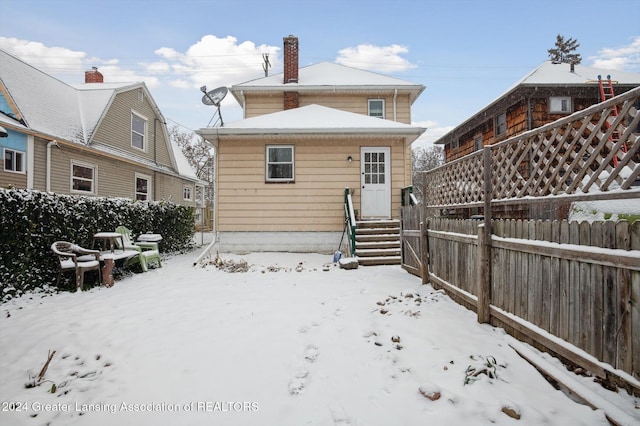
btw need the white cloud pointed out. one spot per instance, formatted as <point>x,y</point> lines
<point>158,67</point>
<point>48,59</point>
<point>384,59</point>
<point>69,65</point>
<point>214,61</point>
<point>625,58</point>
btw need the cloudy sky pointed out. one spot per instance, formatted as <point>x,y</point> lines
<point>466,52</point>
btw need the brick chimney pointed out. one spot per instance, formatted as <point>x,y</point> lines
<point>290,71</point>
<point>290,59</point>
<point>93,76</point>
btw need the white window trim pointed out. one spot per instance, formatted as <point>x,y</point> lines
<point>187,190</point>
<point>559,100</point>
<point>94,181</point>
<point>23,162</point>
<point>384,106</point>
<point>293,165</point>
<point>149,186</point>
<point>144,135</point>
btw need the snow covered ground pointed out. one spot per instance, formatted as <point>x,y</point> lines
<point>185,345</point>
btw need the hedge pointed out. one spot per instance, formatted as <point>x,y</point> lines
<point>32,220</point>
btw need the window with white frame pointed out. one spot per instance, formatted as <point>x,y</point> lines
<point>143,187</point>
<point>280,163</point>
<point>501,124</point>
<point>376,108</point>
<point>187,193</point>
<point>138,131</point>
<point>83,177</point>
<point>14,161</point>
<point>560,104</point>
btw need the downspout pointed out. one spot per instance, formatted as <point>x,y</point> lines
<point>48,176</point>
<point>30,162</point>
<point>215,193</point>
<point>529,115</point>
<point>155,158</point>
<point>395,97</point>
<point>244,104</point>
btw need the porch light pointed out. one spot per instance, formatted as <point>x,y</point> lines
<point>349,158</point>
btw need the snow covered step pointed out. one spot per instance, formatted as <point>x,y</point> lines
<point>370,231</point>
<point>378,242</point>
<point>395,243</point>
<point>377,238</point>
<point>382,260</point>
<point>361,253</point>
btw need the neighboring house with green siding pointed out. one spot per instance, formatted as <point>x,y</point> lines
<point>93,139</point>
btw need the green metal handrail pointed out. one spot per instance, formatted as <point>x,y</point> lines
<point>350,221</point>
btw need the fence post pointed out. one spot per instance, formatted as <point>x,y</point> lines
<point>484,276</point>
<point>424,249</point>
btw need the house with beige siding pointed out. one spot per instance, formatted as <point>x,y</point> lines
<point>308,134</point>
<point>92,139</point>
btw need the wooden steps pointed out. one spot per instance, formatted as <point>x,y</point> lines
<point>378,242</point>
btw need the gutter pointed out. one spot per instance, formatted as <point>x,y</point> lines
<point>234,132</point>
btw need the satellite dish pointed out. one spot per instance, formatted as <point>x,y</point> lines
<point>215,96</point>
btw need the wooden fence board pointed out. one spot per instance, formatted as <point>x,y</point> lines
<point>597,284</point>
<point>585,290</point>
<point>609,297</point>
<point>563,309</point>
<point>634,243</point>
<point>574,288</point>
<point>623,358</point>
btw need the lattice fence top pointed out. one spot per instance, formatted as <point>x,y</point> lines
<point>593,151</point>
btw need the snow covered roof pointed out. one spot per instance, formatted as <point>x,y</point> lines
<point>50,106</point>
<point>329,76</point>
<point>553,74</point>
<point>314,120</point>
<point>67,112</point>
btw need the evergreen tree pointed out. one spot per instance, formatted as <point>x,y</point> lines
<point>564,51</point>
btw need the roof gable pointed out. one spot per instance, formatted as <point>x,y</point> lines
<point>50,106</point>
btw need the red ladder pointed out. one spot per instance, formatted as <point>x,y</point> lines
<point>606,92</point>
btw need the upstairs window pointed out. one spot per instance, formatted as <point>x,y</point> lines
<point>560,104</point>
<point>501,124</point>
<point>83,178</point>
<point>280,163</point>
<point>376,108</point>
<point>138,131</point>
<point>14,161</point>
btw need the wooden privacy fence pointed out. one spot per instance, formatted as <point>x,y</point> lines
<point>570,288</point>
<point>577,281</point>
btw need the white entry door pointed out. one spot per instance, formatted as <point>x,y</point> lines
<point>375,200</point>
